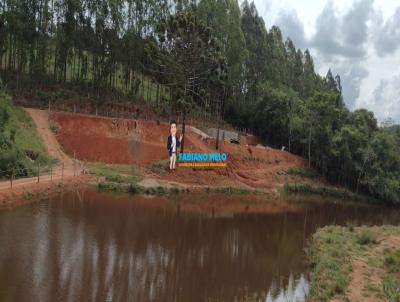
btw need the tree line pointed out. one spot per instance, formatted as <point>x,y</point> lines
<point>215,55</point>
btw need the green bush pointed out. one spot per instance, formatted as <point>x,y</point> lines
<point>134,189</point>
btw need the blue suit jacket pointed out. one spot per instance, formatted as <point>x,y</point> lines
<point>169,144</point>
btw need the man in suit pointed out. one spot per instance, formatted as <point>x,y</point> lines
<point>173,143</point>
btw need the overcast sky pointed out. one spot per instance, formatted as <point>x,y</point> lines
<point>359,39</point>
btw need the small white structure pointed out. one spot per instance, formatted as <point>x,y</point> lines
<point>223,134</point>
<point>199,132</point>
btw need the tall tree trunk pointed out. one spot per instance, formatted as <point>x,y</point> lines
<point>183,121</point>
<point>309,148</point>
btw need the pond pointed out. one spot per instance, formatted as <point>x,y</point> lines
<point>88,246</point>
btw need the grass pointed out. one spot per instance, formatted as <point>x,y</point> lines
<point>330,266</point>
<point>116,177</point>
<point>303,172</point>
<point>20,139</point>
<point>231,190</point>
<point>124,179</point>
<point>137,189</point>
<point>117,173</point>
<point>26,136</point>
<point>391,282</point>
<point>366,238</point>
<point>160,167</point>
<point>333,249</point>
<point>307,189</point>
<point>391,288</point>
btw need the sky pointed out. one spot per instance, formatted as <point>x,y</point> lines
<point>357,39</point>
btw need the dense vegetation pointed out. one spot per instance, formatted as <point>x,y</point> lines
<point>21,150</point>
<point>247,74</point>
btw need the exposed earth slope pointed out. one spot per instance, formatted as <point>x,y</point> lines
<point>143,143</point>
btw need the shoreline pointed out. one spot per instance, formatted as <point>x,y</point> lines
<point>34,192</point>
<point>152,186</point>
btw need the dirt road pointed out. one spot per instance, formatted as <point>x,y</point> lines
<point>64,169</point>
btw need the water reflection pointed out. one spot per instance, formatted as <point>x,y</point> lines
<point>93,247</point>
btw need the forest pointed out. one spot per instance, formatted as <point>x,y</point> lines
<point>212,56</point>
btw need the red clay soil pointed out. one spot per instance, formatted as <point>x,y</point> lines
<point>124,141</point>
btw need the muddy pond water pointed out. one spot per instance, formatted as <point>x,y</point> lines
<point>88,246</point>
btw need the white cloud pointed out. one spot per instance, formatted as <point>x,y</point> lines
<point>387,39</point>
<point>359,39</point>
<point>292,27</point>
<point>385,99</point>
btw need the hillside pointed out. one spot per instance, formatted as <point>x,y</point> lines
<point>206,60</point>
<point>22,150</point>
<point>142,143</point>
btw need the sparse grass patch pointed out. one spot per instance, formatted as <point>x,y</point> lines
<point>233,190</point>
<point>392,260</point>
<point>303,172</point>
<point>54,128</point>
<point>330,265</point>
<point>366,238</point>
<point>117,173</point>
<point>332,252</point>
<point>391,288</point>
<point>160,168</point>
<point>109,187</point>
<point>307,189</point>
<point>27,196</point>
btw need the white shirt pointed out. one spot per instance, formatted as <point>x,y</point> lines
<point>173,144</point>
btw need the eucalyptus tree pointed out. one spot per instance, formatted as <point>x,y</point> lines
<point>189,56</point>
<point>255,65</point>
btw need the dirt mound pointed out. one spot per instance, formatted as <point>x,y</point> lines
<point>141,142</point>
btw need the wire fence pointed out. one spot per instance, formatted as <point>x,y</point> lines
<point>37,173</point>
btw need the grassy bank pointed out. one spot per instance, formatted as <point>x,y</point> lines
<point>355,263</point>
<point>325,191</point>
<point>22,150</point>
<point>115,173</point>
<point>124,179</point>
